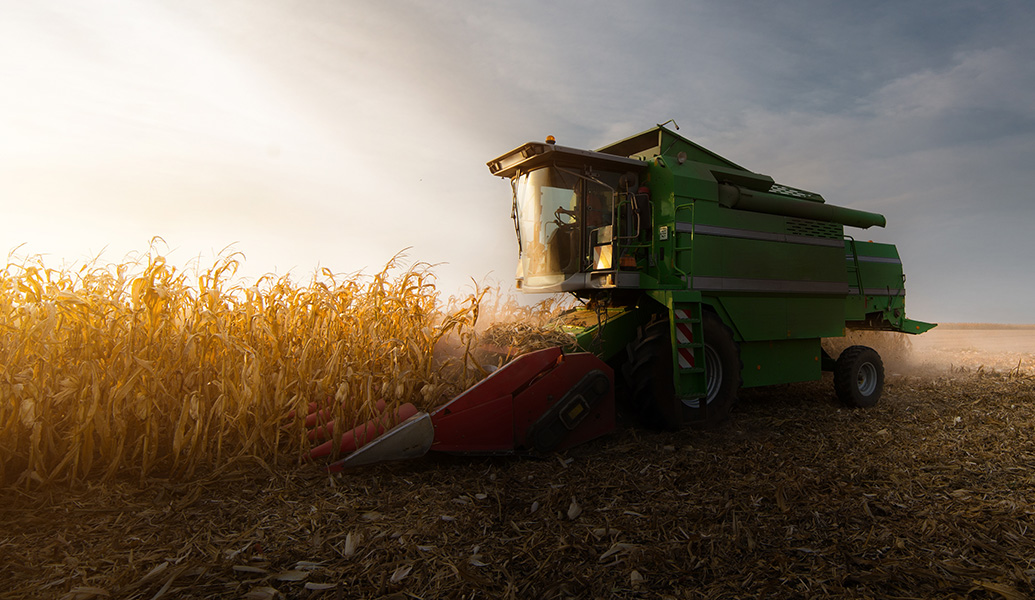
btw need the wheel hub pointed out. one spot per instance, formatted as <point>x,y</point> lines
<point>713,374</point>
<point>867,380</point>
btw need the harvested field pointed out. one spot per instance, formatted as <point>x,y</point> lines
<point>931,494</point>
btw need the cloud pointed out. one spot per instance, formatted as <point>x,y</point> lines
<point>942,152</point>
<point>337,133</point>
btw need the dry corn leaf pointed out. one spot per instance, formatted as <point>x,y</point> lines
<point>152,574</point>
<point>84,592</point>
<point>262,593</point>
<point>306,565</point>
<point>574,510</point>
<point>352,542</point>
<point>1006,591</point>
<point>616,548</point>
<point>400,573</point>
<point>310,585</point>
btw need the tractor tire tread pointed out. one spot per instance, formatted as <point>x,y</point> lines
<point>846,376</point>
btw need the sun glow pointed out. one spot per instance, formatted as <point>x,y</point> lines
<point>132,121</point>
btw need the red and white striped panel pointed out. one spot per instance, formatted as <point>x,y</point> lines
<point>684,335</point>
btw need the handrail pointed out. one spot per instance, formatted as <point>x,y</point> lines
<point>855,261</point>
<point>677,249</point>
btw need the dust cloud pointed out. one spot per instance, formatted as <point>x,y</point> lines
<point>1002,348</point>
<point>950,347</point>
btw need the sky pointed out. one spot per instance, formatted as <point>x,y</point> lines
<point>311,134</point>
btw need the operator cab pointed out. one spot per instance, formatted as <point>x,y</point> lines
<point>573,210</point>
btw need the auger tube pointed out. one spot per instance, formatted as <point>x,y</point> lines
<point>733,196</point>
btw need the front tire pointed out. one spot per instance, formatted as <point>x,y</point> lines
<point>722,367</point>
<point>859,377</point>
<point>648,372</point>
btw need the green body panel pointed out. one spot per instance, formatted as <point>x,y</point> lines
<point>756,318</point>
<point>780,361</point>
<point>773,262</point>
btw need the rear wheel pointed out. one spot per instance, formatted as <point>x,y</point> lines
<point>859,377</point>
<point>648,373</point>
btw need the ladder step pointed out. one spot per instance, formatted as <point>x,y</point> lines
<point>688,325</point>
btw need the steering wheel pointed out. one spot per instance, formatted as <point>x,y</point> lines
<point>560,213</point>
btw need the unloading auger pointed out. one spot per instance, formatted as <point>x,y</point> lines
<point>698,277</point>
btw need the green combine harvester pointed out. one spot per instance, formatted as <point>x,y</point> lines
<point>701,277</point>
<point>698,277</point>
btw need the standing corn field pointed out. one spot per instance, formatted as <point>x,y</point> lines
<point>133,370</point>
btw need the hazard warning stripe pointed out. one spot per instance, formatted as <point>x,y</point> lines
<point>686,358</point>
<point>683,331</point>
<point>684,334</point>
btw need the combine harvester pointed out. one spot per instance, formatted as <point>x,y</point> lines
<point>697,276</point>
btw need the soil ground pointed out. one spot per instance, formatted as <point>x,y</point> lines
<point>930,494</point>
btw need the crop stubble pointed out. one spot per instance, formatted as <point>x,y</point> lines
<point>929,495</point>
